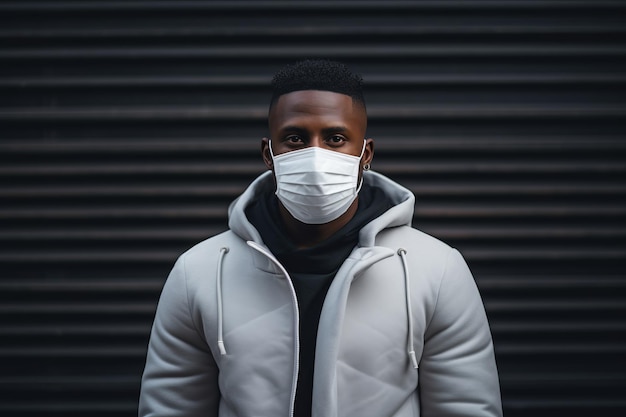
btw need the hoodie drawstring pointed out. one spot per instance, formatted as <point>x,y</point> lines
<point>220,320</point>
<point>409,311</point>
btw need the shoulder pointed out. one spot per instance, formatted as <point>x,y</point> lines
<point>430,261</point>
<point>203,256</point>
<point>414,241</point>
<point>213,244</point>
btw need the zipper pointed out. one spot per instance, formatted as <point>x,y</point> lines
<point>296,365</point>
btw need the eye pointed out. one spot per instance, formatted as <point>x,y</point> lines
<point>336,140</point>
<point>294,139</point>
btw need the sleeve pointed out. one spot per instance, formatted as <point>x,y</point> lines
<point>457,373</point>
<point>180,376</point>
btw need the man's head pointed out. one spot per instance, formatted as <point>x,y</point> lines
<point>319,104</point>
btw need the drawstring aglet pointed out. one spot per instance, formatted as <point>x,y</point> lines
<point>413,359</point>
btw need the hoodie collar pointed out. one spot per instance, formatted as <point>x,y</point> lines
<point>400,214</point>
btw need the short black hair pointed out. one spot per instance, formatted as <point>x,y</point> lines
<point>319,74</point>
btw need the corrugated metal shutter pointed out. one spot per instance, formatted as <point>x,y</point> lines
<point>127,127</point>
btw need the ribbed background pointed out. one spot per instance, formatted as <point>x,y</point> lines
<point>127,127</point>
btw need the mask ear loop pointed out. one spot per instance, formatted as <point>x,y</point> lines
<point>269,143</point>
<point>361,156</point>
<point>363,150</point>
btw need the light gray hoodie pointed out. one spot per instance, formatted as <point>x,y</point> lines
<point>402,331</point>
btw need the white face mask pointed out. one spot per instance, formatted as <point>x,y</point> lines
<point>316,185</point>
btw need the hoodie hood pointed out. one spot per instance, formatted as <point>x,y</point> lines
<point>400,214</point>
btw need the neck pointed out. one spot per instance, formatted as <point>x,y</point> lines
<point>308,235</point>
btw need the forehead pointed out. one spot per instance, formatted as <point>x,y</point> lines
<point>317,107</point>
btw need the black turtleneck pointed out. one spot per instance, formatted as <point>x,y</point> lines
<point>312,270</point>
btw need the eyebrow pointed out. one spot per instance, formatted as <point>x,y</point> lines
<point>334,129</point>
<point>326,130</point>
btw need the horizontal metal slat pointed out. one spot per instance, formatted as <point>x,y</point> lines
<point>105,234</point>
<point>567,406</point>
<point>116,113</point>
<point>117,330</point>
<point>372,5</point>
<point>68,286</point>
<point>524,254</point>
<point>570,304</point>
<point>505,142</point>
<point>558,348</point>
<point>167,168</point>
<point>391,51</point>
<point>495,211</point>
<point>304,33</point>
<point>63,382</point>
<point>103,308</point>
<point>260,81</point>
<point>499,167</point>
<point>242,146</point>
<point>556,327</point>
<point>74,351</point>
<point>537,282</point>
<point>223,114</point>
<point>110,256</point>
<point>214,191</point>
<point>574,376</point>
<point>124,212</point>
<point>70,406</point>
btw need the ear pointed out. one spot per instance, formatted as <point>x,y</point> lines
<point>266,154</point>
<point>368,153</point>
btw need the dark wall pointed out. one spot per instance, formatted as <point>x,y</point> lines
<point>126,128</point>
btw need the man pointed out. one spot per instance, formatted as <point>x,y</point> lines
<point>320,300</point>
